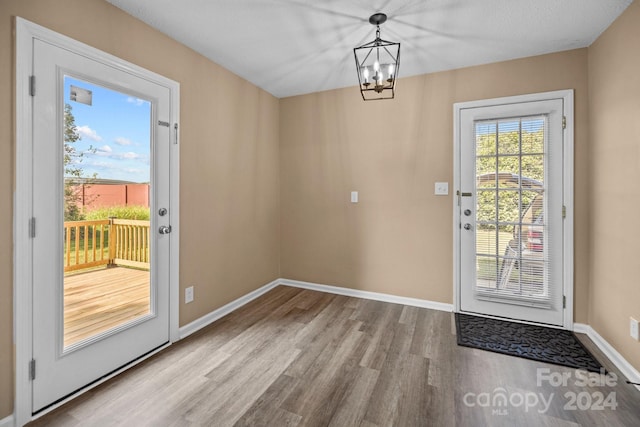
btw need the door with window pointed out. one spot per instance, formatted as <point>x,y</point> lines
<point>510,210</point>
<point>101,177</point>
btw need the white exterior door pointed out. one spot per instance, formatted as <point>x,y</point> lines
<point>86,324</point>
<point>509,208</point>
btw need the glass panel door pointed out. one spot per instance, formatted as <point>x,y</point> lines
<point>510,201</point>
<point>101,193</point>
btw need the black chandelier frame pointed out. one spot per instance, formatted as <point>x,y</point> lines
<point>377,88</point>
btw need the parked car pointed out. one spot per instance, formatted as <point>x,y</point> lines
<point>525,251</point>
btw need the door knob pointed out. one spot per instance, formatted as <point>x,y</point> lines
<point>467,226</point>
<point>164,229</point>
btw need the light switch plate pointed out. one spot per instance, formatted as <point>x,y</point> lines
<point>442,188</point>
<point>354,197</point>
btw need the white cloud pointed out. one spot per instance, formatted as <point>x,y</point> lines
<point>105,149</point>
<point>130,155</point>
<point>123,141</point>
<point>86,132</point>
<point>137,101</point>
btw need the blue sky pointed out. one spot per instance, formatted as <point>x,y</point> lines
<point>118,127</point>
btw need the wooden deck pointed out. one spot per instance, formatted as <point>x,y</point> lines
<point>99,300</point>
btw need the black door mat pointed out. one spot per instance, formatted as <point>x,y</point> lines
<point>549,345</point>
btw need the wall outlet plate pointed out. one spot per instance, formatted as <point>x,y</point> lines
<point>633,329</point>
<point>188,295</point>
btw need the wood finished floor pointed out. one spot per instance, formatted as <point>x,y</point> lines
<point>296,357</point>
<point>99,300</point>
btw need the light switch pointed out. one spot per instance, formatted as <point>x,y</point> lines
<point>442,188</point>
<point>354,197</point>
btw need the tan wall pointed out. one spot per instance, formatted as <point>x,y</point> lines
<point>398,238</point>
<point>614,139</point>
<point>229,160</point>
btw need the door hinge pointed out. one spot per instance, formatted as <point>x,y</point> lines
<point>32,85</point>
<point>32,227</point>
<point>564,301</point>
<point>564,122</point>
<point>564,211</point>
<point>32,369</point>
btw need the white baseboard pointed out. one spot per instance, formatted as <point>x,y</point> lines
<point>415,302</point>
<point>207,319</point>
<point>7,422</point>
<point>621,363</point>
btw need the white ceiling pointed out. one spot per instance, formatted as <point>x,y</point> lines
<point>292,47</point>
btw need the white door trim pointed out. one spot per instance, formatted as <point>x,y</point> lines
<point>567,97</point>
<point>23,205</point>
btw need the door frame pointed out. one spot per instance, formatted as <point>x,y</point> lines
<point>568,188</point>
<point>25,33</point>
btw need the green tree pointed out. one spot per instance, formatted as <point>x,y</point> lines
<point>72,169</point>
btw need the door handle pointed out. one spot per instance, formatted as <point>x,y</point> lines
<point>164,229</point>
<point>467,226</point>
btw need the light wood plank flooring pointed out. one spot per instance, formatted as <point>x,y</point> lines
<point>302,358</point>
<point>99,300</point>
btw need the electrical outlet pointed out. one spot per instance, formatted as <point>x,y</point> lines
<point>633,329</point>
<point>188,295</point>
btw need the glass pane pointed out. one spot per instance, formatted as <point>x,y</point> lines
<point>486,209</point>
<point>486,240</point>
<point>510,226</point>
<point>533,168</point>
<point>485,165</point>
<point>509,165</point>
<point>106,240</point>
<point>486,271</point>
<point>509,137</point>
<point>509,206</point>
<point>533,136</point>
<point>485,138</point>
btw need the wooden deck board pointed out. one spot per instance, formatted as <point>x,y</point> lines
<point>100,300</point>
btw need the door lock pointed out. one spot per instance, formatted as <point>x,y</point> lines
<point>162,211</point>
<point>467,212</point>
<point>164,229</point>
<point>467,226</point>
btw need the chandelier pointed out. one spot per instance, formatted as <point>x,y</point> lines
<point>377,64</point>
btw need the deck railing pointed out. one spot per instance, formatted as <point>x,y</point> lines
<point>129,244</point>
<point>106,242</point>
